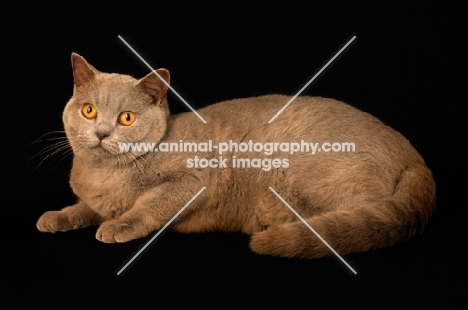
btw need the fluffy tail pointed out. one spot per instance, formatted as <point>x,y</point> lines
<point>375,225</point>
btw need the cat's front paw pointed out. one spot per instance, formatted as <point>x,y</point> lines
<point>277,241</point>
<point>54,221</point>
<point>118,231</point>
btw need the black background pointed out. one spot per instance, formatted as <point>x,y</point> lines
<point>401,68</point>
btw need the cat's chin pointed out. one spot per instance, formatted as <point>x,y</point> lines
<point>97,152</point>
<point>101,152</point>
<point>100,156</point>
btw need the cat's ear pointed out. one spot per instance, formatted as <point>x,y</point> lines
<point>154,86</point>
<point>83,72</point>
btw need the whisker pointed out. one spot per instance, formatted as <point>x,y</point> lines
<point>42,137</point>
<point>142,165</point>
<point>57,138</point>
<point>60,149</point>
<point>65,148</point>
<point>128,158</point>
<point>50,148</point>
<point>139,167</point>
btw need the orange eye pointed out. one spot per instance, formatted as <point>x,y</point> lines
<point>126,118</point>
<point>89,111</point>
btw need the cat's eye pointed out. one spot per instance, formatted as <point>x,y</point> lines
<point>89,111</point>
<point>126,118</point>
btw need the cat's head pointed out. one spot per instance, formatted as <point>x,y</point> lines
<point>108,109</point>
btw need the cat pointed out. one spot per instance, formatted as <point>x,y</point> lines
<point>376,195</point>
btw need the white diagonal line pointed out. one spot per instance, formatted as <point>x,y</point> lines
<point>313,230</point>
<point>161,230</point>
<point>167,84</point>
<point>305,86</point>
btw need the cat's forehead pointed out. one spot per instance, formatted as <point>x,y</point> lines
<point>115,80</point>
<point>114,91</point>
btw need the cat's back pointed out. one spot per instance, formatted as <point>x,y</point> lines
<point>280,110</point>
<point>314,120</point>
<point>274,117</point>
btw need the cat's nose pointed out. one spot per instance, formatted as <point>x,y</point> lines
<point>103,130</point>
<point>101,134</point>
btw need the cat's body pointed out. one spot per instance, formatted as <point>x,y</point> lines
<point>377,195</point>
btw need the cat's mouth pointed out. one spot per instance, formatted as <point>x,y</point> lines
<point>109,148</point>
<point>101,148</point>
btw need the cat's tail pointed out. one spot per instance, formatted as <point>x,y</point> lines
<point>374,225</point>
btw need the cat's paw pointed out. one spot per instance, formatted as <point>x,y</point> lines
<point>117,231</point>
<point>281,240</point>
<point>288,240</point>
<point>54,221</point>
<point>267,242</point>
